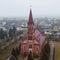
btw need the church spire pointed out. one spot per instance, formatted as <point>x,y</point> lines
<point>30,18</point>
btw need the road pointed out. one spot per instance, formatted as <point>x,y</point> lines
<point>52,48</point>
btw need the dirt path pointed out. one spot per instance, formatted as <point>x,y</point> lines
<point>36,59</point>
<point>26,58</point>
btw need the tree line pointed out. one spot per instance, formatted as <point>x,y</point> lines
<point>12,32</point>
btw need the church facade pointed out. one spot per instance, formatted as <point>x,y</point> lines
<point>31,43</point>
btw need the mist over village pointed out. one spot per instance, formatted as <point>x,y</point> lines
<point>30,30</point>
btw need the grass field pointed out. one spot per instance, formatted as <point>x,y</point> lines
<point>5,53</point>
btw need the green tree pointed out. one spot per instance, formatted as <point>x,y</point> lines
<point>30,57</point>
<point>1,34</point>
<point>10,33</point>
<point>14,30</point>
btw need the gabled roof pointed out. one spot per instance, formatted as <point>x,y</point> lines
<point>38,31</point>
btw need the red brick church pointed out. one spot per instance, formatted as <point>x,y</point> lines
<point>33,40</point>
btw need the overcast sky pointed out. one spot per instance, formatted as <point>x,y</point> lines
<point>20,8</point>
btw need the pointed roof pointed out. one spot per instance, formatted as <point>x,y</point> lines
<point>30,18</point>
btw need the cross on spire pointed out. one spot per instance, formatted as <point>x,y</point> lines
<point>30,6</point>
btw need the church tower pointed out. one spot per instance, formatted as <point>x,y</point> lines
<point>30,23</point>
<point>30,43</point>
<point>30,27</point>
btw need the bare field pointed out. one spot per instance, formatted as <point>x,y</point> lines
<point>57,51</point>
